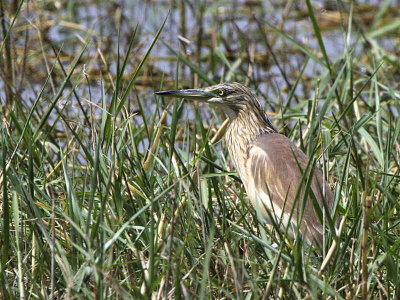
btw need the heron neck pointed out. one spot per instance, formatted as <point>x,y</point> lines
<point>243,130</point>
<point>247,126</point>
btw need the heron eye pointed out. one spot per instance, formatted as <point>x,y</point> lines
<point>221,92</point>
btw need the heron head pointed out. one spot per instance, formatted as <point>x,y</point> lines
<point>231,97</point>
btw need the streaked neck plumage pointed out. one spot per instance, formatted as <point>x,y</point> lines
<point>249,123</point>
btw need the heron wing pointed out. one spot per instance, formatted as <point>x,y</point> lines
<point>275,168</point>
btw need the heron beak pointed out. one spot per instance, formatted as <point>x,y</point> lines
<point>201,95</point>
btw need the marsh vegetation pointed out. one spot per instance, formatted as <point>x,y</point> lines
<point>111,192</point>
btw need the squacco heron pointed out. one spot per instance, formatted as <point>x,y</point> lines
<point>273,170</point>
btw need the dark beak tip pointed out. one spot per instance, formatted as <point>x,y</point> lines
<point>165,93</point>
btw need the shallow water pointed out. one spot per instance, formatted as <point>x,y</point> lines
<point>226,26</point>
